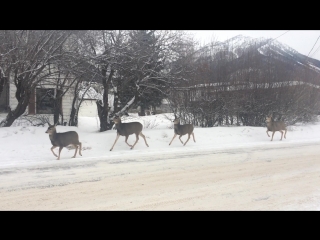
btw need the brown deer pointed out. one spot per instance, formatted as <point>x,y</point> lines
<point>274,126</point>
<point>63,139</point>
<point>126,129</point>
<point>182,130</point>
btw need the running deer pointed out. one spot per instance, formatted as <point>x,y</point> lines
<point>182,130</point>
<point>63,139</point>
<point>274,126</point>
<point>126,129</point>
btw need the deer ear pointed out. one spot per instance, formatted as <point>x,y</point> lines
<point>48,123</point>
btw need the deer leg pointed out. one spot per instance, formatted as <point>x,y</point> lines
<point>193,137</point>
<point>187,140</point>
<point>137,139</point>
<point>268,133</point>
<point>127,142</point>
<point>53,147</point>
<point>272,135</point>
<point>80,146</point>
<point>281,135</point>
<point>144,137</point>
<point>180,139</point>
<point>118,135</point>
<point>75,152</point>
<point>285,133</point>
<point>173,138</point>
<point>60,148</point>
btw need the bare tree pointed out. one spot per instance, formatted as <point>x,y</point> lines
<point>103,48</point>
<point>27,55</point>
<point>135,66</point>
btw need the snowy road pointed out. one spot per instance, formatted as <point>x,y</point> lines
<point>265,177</point>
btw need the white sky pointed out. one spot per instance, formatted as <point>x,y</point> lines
<point>300,40</point>
<point>226,168</point>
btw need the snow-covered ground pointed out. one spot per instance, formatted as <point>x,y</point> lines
<point>28,167</point>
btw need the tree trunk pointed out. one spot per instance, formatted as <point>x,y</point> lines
<point>73,121</point>
<point>116,106</point>
<point>2,83</point>
<point>58,108</point>
<point>142,111</point>
<point>18,111</point>
<point>103,107</point>
<point>105,122</point>
<point>103,110</point>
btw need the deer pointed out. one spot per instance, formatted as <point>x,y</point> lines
<point>63,139</point>
<point>182,130</point>
<point>274,126</point>
<point>126,129</point>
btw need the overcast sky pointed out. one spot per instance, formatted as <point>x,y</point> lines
<point>302,41</point>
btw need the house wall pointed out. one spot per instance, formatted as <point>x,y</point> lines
<point>66,105</point>
<point>66,102</point>
<point>88,108</point>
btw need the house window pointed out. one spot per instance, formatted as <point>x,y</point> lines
<point>45,100</point>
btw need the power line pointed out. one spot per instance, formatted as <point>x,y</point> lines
<point>314,45</point>
<point>315,51</point>
<point>272,39</point>
<point>280,35</point>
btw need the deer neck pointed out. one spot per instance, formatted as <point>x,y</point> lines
<point>118,125</point>
<point>52,135</point>
<point>269,124</point>
<point>177,128</point>
<point>53,138</point>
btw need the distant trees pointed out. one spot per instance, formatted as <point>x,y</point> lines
<point>147,50</point>
<point>242,90</point>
